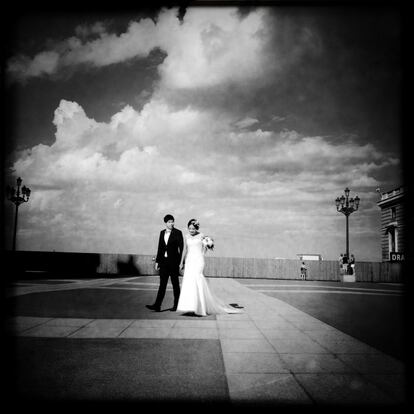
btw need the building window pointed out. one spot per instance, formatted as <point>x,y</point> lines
<point>393,213</point>
<point>393,239</point>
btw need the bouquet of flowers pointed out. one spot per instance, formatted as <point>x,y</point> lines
<point>208,243</point>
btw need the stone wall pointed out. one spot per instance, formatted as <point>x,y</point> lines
<point>63,264</point>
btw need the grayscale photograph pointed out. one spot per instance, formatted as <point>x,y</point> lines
<point>205,203</point>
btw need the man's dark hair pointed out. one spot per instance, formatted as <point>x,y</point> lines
<point>168,217</point>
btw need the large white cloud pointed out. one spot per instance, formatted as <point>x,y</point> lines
<point>160,158</point>
<point>201,51</point>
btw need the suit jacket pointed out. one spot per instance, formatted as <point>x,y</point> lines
<point>174,247</point>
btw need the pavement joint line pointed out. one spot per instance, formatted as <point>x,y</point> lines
<point>132,282</point>
<point>308,394</point>
<point>137,283</point>
<point>35,326</point>
<point>329,291</point>
<point>18,291</point>
<point>124,288</point>
<point>320,286</point>
<point>120,333</point>
<point>73,332</point>
<point>82,284</point>
<point>300,330</point>
<point>80,327</point>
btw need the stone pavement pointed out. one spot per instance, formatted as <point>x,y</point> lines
<point>272,353</point>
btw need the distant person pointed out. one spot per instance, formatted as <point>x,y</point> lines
<point>351,265</point>
<point>167,261</point>
<point>345,263</point>
<point>303,270</point>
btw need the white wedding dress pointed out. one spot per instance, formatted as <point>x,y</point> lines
<point>196,295</point>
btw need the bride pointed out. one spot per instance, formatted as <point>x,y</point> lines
<point>196,296</point>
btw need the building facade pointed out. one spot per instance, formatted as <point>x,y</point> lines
<point>392,225</point>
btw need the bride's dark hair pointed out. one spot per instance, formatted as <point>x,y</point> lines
<point>195,223</point>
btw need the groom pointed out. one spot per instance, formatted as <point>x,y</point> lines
<point>170,249</point>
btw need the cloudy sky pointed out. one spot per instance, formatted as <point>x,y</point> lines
<point>252,120</point>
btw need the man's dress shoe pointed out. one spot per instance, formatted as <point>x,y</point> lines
<point>154,308</point>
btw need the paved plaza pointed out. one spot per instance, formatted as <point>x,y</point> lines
<point>93,339</point>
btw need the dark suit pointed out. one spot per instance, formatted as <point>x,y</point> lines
<point>170,265</point>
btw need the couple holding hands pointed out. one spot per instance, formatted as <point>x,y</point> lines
<point>176,253</point>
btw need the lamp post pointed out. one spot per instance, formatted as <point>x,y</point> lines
<point>347,206</point>
<point>17,197</point>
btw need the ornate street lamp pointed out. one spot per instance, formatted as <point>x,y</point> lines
<point>17,197</point>
<point>347,206</point>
